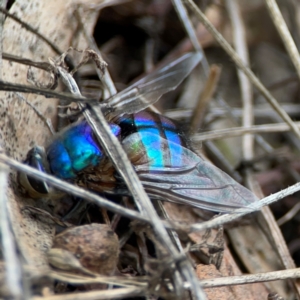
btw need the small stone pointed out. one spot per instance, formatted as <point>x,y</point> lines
<point>96,246</point>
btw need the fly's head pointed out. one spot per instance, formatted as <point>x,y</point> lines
<point>35,188</point>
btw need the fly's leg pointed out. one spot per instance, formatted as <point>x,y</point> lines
<point>211,249</point>
<point>78,211</point>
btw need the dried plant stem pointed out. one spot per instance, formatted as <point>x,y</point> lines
<point>246,279</point>
<point>260,111</point>
<point>284,33</point>
<point>267,222</point>
<point>239,40</point>
<point>40,65</point>
<point>8,247</point>
<point>289,215</point>
<point>71,278</point>
<point>12,87</point>
<point>237,131</point>
<point>255,81</point>
<point>142,282</point>
<point>205,97</point>
<point>106,79</point>
<point>187,23</point>
<point>120,293</point>
<point>2,5</point>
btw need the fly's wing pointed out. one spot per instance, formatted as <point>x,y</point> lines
<point>201,185</point>
<point>190,180</point>
<point>150,88</point>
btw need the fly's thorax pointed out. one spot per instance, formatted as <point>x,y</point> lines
<point>75,150</point>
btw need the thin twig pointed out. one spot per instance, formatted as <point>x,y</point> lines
<point>71,278</point>
<point>186,22</point>
<point>13,87</point>
<point>289,215</point>
<point>120,293</point>
<point>237,131</point>
<point>12,267</point>
<point>284,33</point>
<point>205,97</point>
<point>40,65</point>
<point>260,111</point>
<point>187,270</point>
<point>246,279</point>
<point>2,18</point>
<point>13,276</point>
<point>106,78</point>
<point>239,40</point>
<point>111,145</point>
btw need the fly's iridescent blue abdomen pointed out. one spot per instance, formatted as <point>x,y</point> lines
<point>145,131</point>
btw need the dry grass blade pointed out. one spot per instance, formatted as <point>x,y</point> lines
<point>70,278</point>
<point>8,245</point>
<point>284,33</point>
<point>12,87</point>
<point>120,293</point>
<point>289,215</point>
<point>204,98</point>
<point>237,131</point>
<point>92,45</point>
<point>188,25</point>
<point>239,38</point>
<point>41,65</point>
<point>246,279</point>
